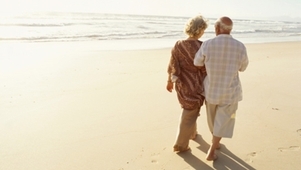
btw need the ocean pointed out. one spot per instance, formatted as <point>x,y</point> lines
<point>136,29</point>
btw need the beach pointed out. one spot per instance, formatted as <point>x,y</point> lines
<point>72,106</point>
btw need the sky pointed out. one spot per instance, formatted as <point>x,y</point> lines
<point>256,9</point>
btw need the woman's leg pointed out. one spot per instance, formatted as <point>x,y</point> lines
<point>187,128</point>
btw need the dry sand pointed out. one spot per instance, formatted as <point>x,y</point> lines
<point>66,106</point>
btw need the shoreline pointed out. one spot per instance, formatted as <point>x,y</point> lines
<point>122,45</point>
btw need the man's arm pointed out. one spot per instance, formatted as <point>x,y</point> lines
<point>199,58</point>
<point>245,61</point>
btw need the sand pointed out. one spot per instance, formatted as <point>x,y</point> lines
<point>70,106</point>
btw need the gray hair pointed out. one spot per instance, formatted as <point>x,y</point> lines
<point>223,26</point>
<point>195,25</point>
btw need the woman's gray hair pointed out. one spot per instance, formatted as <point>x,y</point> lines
<point>223,26</point>
<point>195,25</point>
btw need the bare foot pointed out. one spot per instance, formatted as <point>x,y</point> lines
<point>179,149</point>
<point>212,157</point>
<point>187,149</point>
<point>194,137</point>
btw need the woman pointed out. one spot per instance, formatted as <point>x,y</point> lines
<point>188,81</point>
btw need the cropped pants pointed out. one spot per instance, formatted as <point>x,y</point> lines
<point>187,129</point>
<point>221,119</point>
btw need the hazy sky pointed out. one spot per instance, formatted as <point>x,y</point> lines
<point>209,8</point>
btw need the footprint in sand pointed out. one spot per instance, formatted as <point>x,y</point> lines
<point>299,131</point>
<point>250,156</point>
<point>291,148</point>
<point>154,158</point>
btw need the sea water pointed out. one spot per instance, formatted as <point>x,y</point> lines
<point>120,31</point>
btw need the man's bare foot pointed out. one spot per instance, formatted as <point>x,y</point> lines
<point>212,157</point>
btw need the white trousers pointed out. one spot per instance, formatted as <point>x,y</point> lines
<point>221,119</point>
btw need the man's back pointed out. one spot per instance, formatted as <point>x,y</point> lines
<point>223,58</point>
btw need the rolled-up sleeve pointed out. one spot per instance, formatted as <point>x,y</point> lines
<point>199,57</point>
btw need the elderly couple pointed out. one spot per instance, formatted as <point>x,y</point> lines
<point>207,72</point>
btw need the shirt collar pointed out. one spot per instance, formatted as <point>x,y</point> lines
<point>224,35</point>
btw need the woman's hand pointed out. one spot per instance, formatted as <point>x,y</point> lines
<point>169,86</point>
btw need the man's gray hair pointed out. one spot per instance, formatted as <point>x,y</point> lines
<point>223,26</point>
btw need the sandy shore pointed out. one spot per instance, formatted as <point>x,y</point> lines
<point>64,107</point>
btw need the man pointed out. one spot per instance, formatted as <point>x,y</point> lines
<point>223,57</point>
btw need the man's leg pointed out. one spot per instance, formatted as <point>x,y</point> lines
<point>211,113</point>
<point>225,120</point>
<point>215,145</point>
<point>223,126</point>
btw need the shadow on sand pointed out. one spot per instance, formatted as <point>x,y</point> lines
<point>226,159</point>
<point>194,162</point>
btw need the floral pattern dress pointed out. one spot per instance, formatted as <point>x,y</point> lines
<point>189,82</point>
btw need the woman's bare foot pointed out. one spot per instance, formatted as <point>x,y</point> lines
<point>180,149</point>
<point>194,137</point>
<point>187,149</point>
